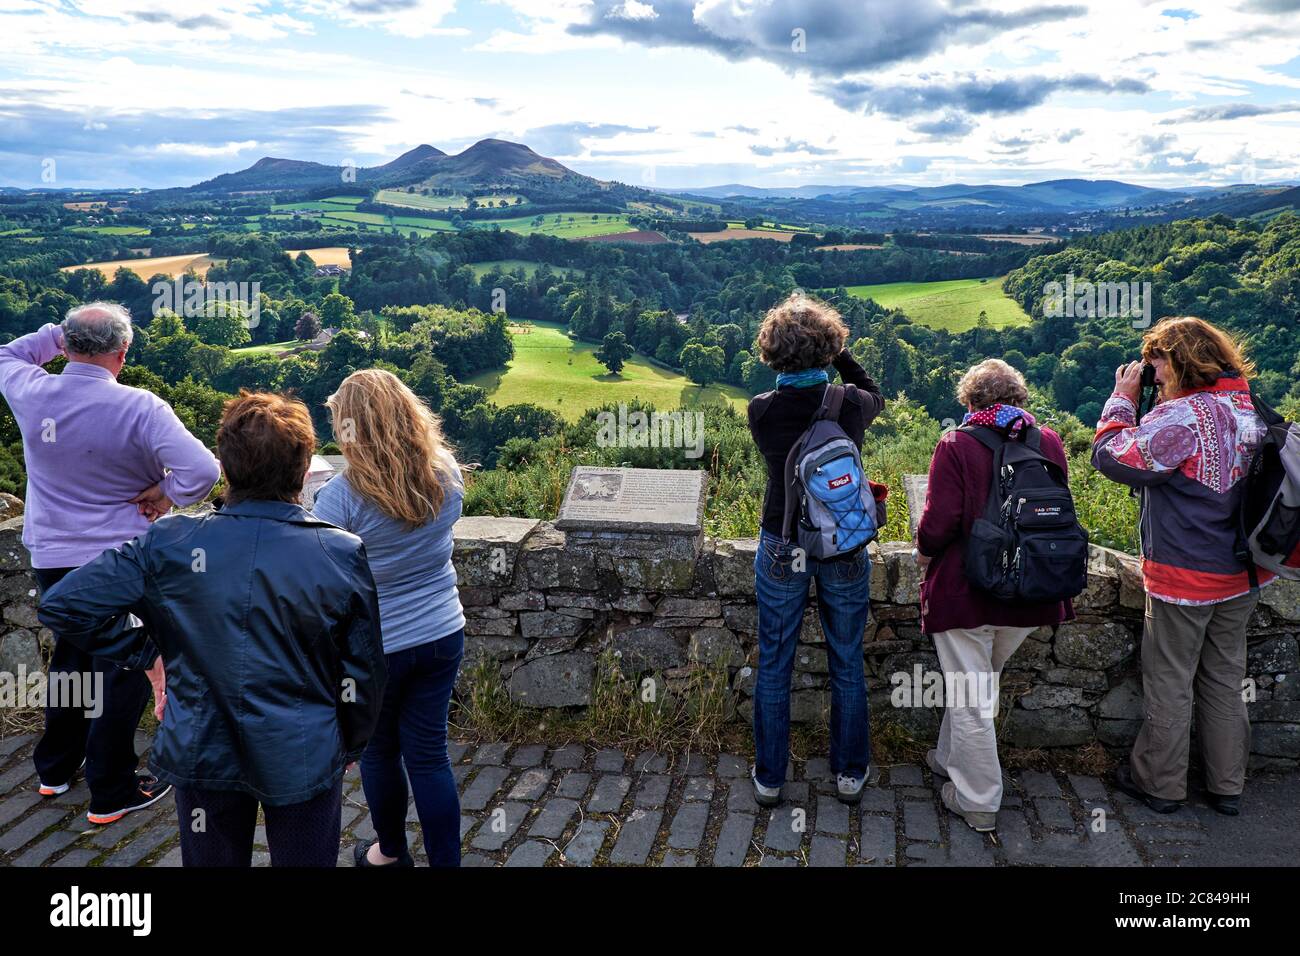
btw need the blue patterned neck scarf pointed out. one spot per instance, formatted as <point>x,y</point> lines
<point>805,379</point>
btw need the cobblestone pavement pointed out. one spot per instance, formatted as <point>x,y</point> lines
<point>533,805</point>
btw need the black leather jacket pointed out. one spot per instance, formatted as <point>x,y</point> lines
<point>267,620</point>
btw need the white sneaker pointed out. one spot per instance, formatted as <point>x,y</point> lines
<point>980,821</point>
<point>56,789</point>
<point>765,796</point>
<point>848,788</point>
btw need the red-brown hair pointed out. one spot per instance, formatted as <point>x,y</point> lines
<point>265,444</point>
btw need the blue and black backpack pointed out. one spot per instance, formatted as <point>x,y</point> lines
<point>831,509</point>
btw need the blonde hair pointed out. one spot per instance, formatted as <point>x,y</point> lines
<point>393,444</point>
<point>1196,352</point>
<point>992,382</point>
<point>799,334</point>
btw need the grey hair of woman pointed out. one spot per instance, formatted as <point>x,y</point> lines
<point>97,328</point>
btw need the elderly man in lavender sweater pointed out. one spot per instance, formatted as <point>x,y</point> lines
<point>103,461</point>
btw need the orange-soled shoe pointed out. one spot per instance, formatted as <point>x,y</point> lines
<point>54,789</point>
<point>149,790</point>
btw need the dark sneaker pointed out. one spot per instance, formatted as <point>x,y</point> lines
<point>1227,804</point>
<point>981,821</point>
<point>764,796</point>
<point>359,851</point>
<point>1123,780</point>
<point>54,789</point>
<point>149,790</point>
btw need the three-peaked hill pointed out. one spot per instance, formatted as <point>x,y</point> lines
<point>488,163</point>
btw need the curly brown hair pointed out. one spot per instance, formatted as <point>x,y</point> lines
<point>800,333</point>
<point>992,382</point>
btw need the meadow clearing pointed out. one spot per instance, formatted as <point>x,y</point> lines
<point>556,372</point>
<point>954,304</point>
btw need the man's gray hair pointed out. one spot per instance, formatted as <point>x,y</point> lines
<point>97,328</point>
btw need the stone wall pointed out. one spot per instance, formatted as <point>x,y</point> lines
<point>543,604</point>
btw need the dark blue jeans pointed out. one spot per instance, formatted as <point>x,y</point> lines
<point>413,731</point>
<point>843,604</point>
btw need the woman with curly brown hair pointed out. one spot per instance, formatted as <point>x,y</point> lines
<point>798,340</point>
<point>1188,457</point>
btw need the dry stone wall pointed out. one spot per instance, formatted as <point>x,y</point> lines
<point>544,604</point>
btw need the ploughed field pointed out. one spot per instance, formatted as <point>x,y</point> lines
<point>558,373</point>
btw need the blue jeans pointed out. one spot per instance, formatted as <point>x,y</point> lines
<point>844,606</point>
<point>413,731</point>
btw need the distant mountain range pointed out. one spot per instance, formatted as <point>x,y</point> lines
<point>1056,194</point>
<point>498,164</point>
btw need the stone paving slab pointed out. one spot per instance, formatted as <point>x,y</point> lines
<point>574,805</point>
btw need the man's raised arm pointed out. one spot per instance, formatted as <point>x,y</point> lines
<point>24,356</point>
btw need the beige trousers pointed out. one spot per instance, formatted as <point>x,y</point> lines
<point>968,744</point>
<point>1193,656</point>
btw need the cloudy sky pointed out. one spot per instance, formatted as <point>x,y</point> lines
<point>659,92</point>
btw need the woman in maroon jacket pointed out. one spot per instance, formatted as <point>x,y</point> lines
<point>974,632</point>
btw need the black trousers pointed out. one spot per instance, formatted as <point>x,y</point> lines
<point>106,742</point>
<point>217,828</point>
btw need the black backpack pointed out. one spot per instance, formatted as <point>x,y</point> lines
<point>1270,504</point>
<point>1029,545</point>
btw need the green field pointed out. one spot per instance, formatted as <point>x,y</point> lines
<point>269,347</point>
<point>399,197</point>
<point>954,304</point>
<point>582,226</point>
<point>554,371</point>
<point>112,230</point>
<point>332,204</point>
<point>510,265</point>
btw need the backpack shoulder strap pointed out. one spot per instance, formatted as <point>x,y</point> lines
<point>1264,410</point>
<point>985,436</point>
<point>1034,438</point>
<point>832,402</point>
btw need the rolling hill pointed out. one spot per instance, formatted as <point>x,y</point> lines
<point>487,163</point>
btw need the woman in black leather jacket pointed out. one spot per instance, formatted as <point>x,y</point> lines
<point>267,621</point>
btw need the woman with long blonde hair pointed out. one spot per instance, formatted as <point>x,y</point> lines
<point>401,493</point>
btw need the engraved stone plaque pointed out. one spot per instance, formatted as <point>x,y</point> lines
<point>644,500</point>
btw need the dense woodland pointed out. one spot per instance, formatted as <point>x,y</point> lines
<point>416,307</point>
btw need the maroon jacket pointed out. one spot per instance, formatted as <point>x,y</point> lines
<point>960,475</point>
